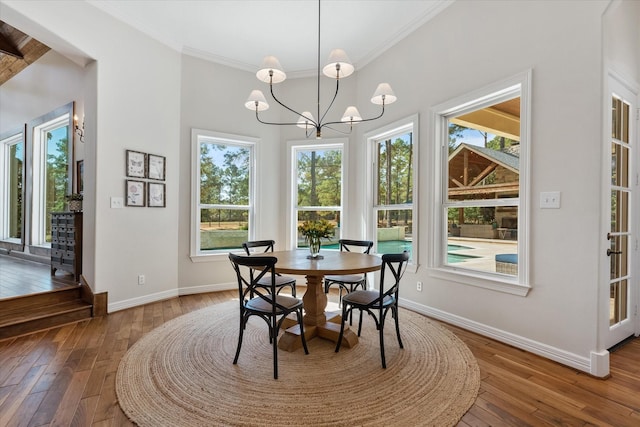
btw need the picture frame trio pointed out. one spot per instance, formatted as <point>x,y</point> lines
<point>149,167</point>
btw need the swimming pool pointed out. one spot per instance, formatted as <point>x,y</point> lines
<point>397,246</point>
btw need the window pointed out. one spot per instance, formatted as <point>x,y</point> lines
<point>223,192</point>
<point>317,187</point>
<point>482,176</point>
<point>51,183</point>
<point>393,152</point>
<point>34,185</point>
<point>11,190</point>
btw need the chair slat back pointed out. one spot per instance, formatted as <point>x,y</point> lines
<point>348,245</point>
<point>257,267</point>
<point>396,264</point>
<point>259,246</point>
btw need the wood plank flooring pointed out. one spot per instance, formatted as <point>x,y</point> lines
<point>65,376</point>
<point>22,277</point>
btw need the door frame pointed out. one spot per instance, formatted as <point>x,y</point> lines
<point>614,83</point>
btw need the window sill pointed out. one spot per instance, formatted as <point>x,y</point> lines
<point>488,281</point>
<point>214,257</point>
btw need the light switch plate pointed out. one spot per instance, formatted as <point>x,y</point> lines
<point>117,202</point>
<point>550,200</point>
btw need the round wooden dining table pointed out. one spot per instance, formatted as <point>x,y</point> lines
<point>317,322</point>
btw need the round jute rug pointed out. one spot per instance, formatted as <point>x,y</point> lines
<point>181,374</point>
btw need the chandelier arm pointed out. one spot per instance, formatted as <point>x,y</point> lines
<point>309,132</point>
<point>315,124</point>
<point>338,130</point>
<point>332,101</point>
<point>274,123</point>
<point>352,122</point>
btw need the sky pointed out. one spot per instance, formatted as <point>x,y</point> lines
<point>473,137</point>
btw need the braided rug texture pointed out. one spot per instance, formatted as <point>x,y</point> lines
<point>181,374</point>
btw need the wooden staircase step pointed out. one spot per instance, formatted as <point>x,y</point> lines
<point>55,296</point>
<point>19,321</point>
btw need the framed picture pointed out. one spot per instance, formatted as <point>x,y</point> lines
<point>135,191</point>
<point>136,164</point>
<point>80,176</point>
<point>156,167</point>
<point>156,195</point>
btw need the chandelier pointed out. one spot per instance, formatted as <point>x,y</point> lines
<point>337,67</point>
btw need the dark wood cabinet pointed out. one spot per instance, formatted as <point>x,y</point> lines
<point>66,243</point>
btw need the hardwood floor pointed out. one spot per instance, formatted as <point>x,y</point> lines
<point>22,277</point>
<point>66,376</point>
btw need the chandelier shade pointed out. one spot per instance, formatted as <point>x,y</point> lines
<point>306,121</point>
<point>256,100</point>
<point>271,71</point>
<point>338,67</point>
<point>383,95</point>
<point>351,114</point>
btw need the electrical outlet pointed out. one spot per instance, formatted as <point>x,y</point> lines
<point>419,286</point>
<point>141,279</point>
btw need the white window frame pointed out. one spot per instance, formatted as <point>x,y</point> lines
<point>519,84</point>
<point>199,136</point>
<point>305,145</point>
<point>39,175</point>
<point>408,124</point>
<point>5,147</point>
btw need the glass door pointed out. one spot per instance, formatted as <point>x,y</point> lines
<point>622,244</point>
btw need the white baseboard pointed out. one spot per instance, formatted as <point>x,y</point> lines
<point>146,299</point>
<point>208,288</point>
<point>159,296</point>
<point>594,365</point>
<point>600,364</point>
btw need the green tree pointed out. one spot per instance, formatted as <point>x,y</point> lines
<point>235,180</point>
<point>57,173</point>
<point>210,181</point>
<point>395,181</point>
<point>319,181</point>
<point>500,143</point>
<point>455,132</point>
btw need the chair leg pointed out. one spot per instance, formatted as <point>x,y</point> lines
<point>344,314</point>
<point>395,315</point>
<point>381,333</point>
<point>274,327</point>
<point>304,339</point>
<point>293,290</point>
<point>359,323</point>
<point>242,325</point>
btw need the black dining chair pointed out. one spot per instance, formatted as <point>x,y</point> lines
<point>265,246</point>
<point>349,282</point>
<point>267,305</point>
<point>378,302</point>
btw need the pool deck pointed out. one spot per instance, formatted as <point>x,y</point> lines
<point>484,249</point>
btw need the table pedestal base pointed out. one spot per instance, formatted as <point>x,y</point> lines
<point>330,330</point>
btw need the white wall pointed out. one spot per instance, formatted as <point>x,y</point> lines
<point>50,82</point>
<point>622,38</point>
<point>212,98</point>
<point>137,106</point>
<point>471,45</point>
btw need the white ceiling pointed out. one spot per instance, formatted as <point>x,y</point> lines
<point>241,33</point>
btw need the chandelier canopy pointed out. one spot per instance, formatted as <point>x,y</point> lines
<point>337,67</point>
